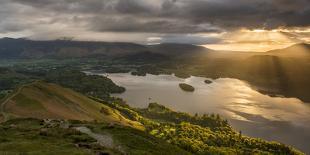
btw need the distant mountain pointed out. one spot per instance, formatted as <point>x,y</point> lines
<point>145,57</point>
<point>296,50</point>
<point>178,49</point>
<point>284,72</point>
<point>23,48</point>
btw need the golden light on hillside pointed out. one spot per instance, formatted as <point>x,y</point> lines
<point>259,40</point>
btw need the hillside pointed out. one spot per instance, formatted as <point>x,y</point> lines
<point>143,57</point>
<point>200,134</point>
<point>297,50</point>
<point>173,49</point>
<point>287,76</point>
<point>35,136</point>
<point>44,100</point>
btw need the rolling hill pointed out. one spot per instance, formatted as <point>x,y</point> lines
<point>287,76</point>
<point>297,50</point>
<point>50,101</point>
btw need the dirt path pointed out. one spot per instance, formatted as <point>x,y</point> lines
<point>103,139</point>
<point>9,97</point>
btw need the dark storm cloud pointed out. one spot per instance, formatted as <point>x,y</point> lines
<point>249,13</point>
<point>12,27</point>
<point>8,23</point>
<point>132,24</point>
<point>168,16</point>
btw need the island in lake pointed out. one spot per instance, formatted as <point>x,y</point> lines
<point>208,81</point>
<point>186,87</point>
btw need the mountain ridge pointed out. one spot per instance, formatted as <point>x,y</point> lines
<point>21,48</point>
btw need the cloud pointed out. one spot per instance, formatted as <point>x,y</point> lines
<point>185,39</point>
<point>160,25</point>
<point>150,16</point>
<point>221,13</point>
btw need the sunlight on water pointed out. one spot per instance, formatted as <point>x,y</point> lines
<point>225,96</point>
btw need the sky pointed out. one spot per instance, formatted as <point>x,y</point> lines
<point>239,25</point>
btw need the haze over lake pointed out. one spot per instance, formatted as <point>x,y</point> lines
<point>273,118</point>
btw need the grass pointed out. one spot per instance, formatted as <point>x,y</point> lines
<point>44,100</point>
<point>137,142</point>
<point>24,137</point>
<point>25,102</point>
<point>34,136</point>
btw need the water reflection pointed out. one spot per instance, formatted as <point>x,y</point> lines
<point>273,118</point>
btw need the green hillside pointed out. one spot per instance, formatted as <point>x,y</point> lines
<point>43,118</point>
<point>34,136</point>
<point>206,134</point>
<point>45,100</point>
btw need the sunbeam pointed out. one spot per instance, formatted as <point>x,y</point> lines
<point>257,40</point>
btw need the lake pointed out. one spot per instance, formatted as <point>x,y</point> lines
<point>286,120</point>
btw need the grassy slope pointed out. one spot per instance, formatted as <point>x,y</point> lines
<point>138,142</point>
<point>41,100</point>
<point>23,136</point>
<point>33,136</point>
<point>44,100</point>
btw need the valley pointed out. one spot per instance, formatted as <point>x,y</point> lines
<point>279,72</point>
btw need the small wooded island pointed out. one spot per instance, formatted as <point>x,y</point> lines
<point>208,81</point>
<point>186,87</point>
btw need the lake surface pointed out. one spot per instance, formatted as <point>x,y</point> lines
<point>273,118</point>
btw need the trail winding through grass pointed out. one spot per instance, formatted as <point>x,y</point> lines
<point>8,98</point>
<point>103,139</point>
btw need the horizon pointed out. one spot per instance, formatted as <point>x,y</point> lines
<point>225,49</point>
